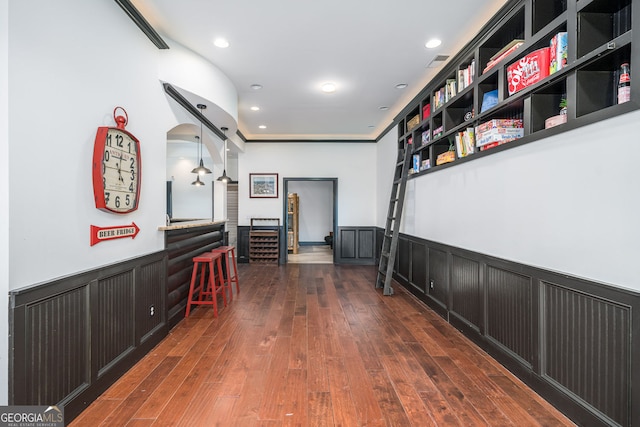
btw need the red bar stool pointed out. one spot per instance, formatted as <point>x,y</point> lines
<point>212,290</point>
<point>231,278</point>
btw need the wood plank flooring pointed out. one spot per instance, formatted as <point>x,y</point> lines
<point>317,345</point>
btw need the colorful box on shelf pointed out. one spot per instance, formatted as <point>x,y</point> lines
<point>413,122</point>
<point>426,137</point>
<point>555,121</point>
<point>446,157</point>
<point>558,52</point>
<point>426,111</point>
<point>498,131</point>
<point>528,70</point>
<point>426,164</point>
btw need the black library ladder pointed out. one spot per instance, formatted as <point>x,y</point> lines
<point>394,215</point>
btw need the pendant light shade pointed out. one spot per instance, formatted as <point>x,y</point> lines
<point>197,182</point>
<point>224,178</point>
<point>200,169</point>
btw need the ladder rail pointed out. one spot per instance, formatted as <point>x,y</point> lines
<point>392,226</point>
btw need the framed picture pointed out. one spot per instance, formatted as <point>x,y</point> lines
<point>263,185</point>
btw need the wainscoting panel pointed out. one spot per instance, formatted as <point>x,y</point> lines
<point>347,247</point>
<point>71,338</point>
<point>588,338</point>
<point>57,348</point>
<point>465,289</point>
<point>150,308</point>
<point>404,259</point>
<point>572,340</point>
<point>356,245</point>
<point>419,266</point>
<point>438,276</point>
<point>509,311</point>
<point>114,325</point>
<point>366,241</point>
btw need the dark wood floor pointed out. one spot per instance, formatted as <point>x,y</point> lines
<point>317,345</point>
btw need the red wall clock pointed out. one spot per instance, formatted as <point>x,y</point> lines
<point>116,167</point>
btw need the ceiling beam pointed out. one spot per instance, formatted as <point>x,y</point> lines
<point>142,23</point>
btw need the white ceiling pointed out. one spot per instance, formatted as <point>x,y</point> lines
<point>291,47</point>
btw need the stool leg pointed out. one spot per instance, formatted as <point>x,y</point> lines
<point>212,283</point>
<point>203,273</point>
<point>221,280</point>
<point>235,269</point>
<point>227,270</point>
<point>194,274</point>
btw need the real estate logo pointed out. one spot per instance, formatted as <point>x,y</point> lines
<point>31,416</point>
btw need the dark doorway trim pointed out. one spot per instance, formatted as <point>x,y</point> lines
<point>285,183</point>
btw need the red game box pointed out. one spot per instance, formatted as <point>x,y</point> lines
<point>528,70</point>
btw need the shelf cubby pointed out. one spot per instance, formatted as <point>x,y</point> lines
<point>545,103</point>
<point>511,30</point>
<point>487,85</point>
<point>596,82</point>
<point>545,11</point>
<point>601,21</point>
<point>459,111</point>
<point>437,129</point>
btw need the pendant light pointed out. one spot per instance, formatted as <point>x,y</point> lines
<point>197,182</point>
<point>224,178</point>
<point>200,170</point>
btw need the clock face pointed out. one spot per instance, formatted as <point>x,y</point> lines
<point>116,170</point>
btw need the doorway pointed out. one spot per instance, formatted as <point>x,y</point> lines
<point>317,219</point>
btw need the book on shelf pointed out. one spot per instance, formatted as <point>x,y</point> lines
<point>465,75</point>
<point>489,100</point>
<point>503,53</point>
<point>438,98</point>
<point>450,90</point>
<point>437,132</point>
<point>465,142</point>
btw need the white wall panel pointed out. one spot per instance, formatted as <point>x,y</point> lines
<point>352,163</point>
<point>568,203</point>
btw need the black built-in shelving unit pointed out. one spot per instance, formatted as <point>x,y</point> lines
<point>600,39</point>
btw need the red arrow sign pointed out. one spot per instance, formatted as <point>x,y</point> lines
<point>100,234</point>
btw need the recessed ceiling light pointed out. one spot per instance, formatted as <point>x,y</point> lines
<point>221,42</point>
<point>328,87</point>
<point>255,108</point>
<point>256,86</point>
<point>383,108</point>
<point>401,86</point>
<point>262,127</point>
<point>371,126</point>
<point>433,43</point>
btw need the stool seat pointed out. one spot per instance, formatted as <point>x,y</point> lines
<point>200,263</point>
<point>231,276</point>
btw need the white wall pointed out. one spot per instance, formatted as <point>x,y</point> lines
<point>386,157</point>
<point>189,201</point>
<point>352,163</point>
<point>315,216</point>
<point>568,203</point>
<point>65,68</point>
